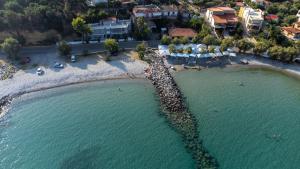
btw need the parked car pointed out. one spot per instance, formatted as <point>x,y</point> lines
<point>58,65</point>
<point>73,58</point>
<point>39,71</point>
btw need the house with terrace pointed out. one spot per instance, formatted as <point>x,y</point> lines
<point>110,28</point>
<point>252,18</point>
<point>182,32</point>
<point>147,11</point>
<point>292,32</point>
<point>155,12</point>
<point>222,18</point>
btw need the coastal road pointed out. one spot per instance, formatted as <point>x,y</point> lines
<point>78,48</point>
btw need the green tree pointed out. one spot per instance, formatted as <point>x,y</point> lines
<point>196,23</point>
<point>64,49</point>
<point>165,40</point>
<point>211,49</point>
<point>80,26</point>
<point>244,45</point>
<point>141,29</point>
<point>184,40</point>
<point>210,40</point>
<point>226,43</point>
<point>291,53</point>
<point>290,19</point>
<point>13,5</point>
<point>172,48</point>
<point>11,47</point>
<point>13,21</point>
<point>141,48</point>
<point>176,41</point>
<point>205,30</point>
<point>196,39</point>
<point>261,47</point>
<point>111,45</point>
<point>277,52</point>
<point>35,14</point>
<point>102,15</point>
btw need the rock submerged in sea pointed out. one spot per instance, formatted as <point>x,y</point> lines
<point>176,111</point>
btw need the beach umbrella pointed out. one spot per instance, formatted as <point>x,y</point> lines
<point>192,55</point>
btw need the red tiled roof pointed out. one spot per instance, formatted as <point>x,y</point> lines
<point>226,18</point>
<point>220,9</point>
<point>241,4</point>
<point>271,17</point>
<point>182,32</point>
<point>291,30</point>
<point>146,9</point>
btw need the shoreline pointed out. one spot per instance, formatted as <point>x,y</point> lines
<point>136,71</point>
<point>87,70</point>
<point>7,100</point>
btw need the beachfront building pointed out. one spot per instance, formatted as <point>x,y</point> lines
<point>155,12</point>
<point>110,28</point>
<point>252,18</point>
<point>182,32</point>
<point>169,11</point>
<point>292,32</point>
<point>222,18</point>
<point>147,11</point>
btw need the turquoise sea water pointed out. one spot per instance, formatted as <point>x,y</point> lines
<point>90,126</point>
<point>248,119</point>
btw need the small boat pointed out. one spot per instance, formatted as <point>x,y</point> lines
<point>244,61</point>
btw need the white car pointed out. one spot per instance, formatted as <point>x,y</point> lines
<point>73,58</point>
<point>39,71</point>
<point>58,65</point>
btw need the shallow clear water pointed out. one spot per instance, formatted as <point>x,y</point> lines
<point>90,126</point>
<point>251,126</point>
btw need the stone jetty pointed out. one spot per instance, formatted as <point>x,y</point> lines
<point>4,102</point>
<point>176,112</point>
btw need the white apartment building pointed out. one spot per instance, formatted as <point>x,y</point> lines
<point>110,28</point>
<point>252,18</point>
<point>221,17</point>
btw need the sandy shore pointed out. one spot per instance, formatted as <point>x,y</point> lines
<point>259,62</point>
<point>25,81</point>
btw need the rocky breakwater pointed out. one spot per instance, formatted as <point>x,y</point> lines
<point>4,103</point>
<point>176,111</point>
